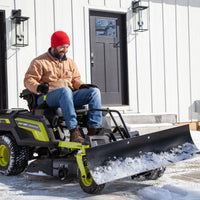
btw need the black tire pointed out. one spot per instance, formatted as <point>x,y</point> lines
<point>88,185</point>
<point>13,158</point>
<point>149,175</point>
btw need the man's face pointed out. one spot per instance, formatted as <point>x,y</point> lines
<point>60,51</point>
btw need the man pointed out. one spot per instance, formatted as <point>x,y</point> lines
<point>58,76</point>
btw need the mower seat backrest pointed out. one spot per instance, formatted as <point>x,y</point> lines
<point>30,97</point>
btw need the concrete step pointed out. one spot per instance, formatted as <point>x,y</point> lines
<point>146,118</point>
<point>148,128</point>
<point>145,123</point>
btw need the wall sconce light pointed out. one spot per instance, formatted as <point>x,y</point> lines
<point>19,28</point>
<point>140,16</point>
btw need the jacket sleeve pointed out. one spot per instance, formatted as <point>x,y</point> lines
<point>33,76</point>
<point>76,77</point>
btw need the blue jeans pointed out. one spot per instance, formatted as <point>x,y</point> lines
<point>67,100</point>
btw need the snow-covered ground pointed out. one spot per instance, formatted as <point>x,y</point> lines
<point>181,181</point>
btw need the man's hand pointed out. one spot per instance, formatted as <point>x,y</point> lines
<point>43,88</point>
<point>87,86</point>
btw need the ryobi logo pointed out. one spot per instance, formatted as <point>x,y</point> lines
<point>28,125</point>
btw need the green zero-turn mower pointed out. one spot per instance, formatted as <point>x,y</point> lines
<point>40,135</point>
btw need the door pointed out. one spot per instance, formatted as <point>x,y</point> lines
<point>109,56</point>
<point>3,63</point>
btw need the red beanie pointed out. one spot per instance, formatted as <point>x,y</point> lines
<point>59,38</point>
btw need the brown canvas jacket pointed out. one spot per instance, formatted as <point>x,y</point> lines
<point>46,68</point>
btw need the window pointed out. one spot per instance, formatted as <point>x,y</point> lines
<point>105,27</point>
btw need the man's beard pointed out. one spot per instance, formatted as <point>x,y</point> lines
<point>57,55</point>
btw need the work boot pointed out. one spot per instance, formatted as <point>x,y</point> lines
<point>94,131</point>
<point>75,136</point>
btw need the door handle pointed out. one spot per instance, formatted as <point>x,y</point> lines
<point>117,44</point>
<point>92,58</point>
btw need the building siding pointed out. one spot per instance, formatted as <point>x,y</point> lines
<point>163,63</point>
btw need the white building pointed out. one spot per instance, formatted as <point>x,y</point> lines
<point>156,71</point>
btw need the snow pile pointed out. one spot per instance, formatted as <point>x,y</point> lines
<point>167,192</point>
<point>121,168</point>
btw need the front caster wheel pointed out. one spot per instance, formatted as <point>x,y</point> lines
<point>88,185</point>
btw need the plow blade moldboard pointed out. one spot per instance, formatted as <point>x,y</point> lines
<point>139,154</point>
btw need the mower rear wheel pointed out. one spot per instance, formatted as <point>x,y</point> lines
<point>13,158</point>
<point>88,185</point>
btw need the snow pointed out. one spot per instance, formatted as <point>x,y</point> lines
<point>167,193</point>
<point>181,181</point>
<point>146,162</point>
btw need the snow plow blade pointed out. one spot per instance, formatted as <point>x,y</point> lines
<point>139,154</point>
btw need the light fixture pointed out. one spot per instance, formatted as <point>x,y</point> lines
<point>140,16</point>
<point>19,28</point>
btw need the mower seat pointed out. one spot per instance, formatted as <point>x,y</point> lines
<point>79,110</point>
<point>31,99</point>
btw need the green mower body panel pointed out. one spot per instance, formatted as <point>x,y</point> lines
<point>27,128</point>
